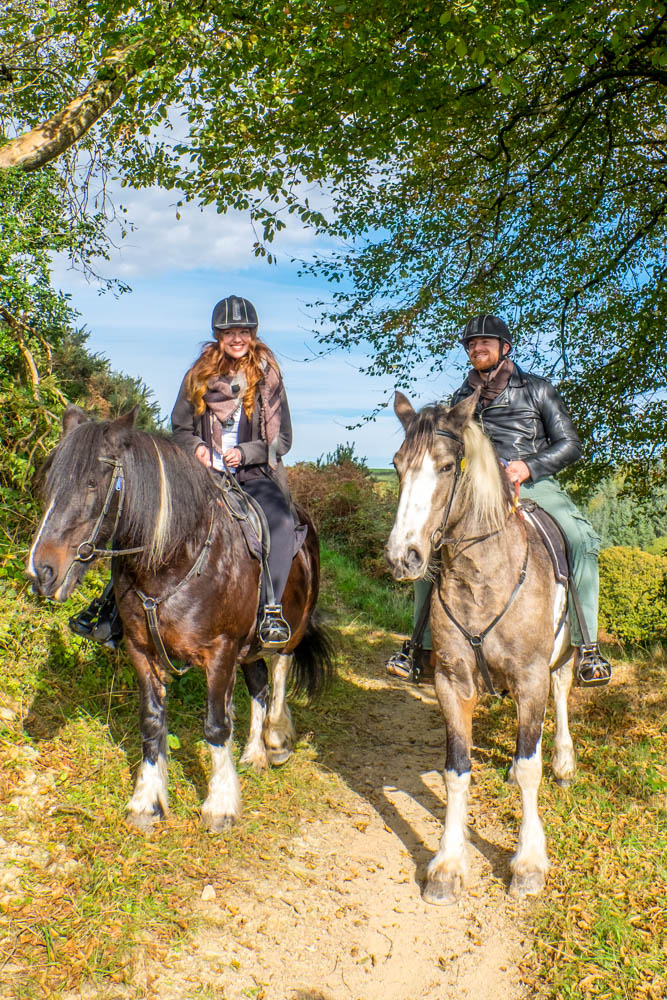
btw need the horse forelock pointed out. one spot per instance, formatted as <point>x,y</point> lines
<point>420,433</point>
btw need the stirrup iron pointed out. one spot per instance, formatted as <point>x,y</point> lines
<point>273,631</point>
<point>592,669</point>
<point>402,663</point>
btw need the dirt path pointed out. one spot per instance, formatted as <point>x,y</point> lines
<point>342,916</point>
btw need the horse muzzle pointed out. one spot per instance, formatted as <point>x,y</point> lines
<point>406,563</point>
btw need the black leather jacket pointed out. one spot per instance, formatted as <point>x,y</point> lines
<point>528,422</point>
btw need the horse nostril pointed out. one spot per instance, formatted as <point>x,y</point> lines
<point>45,574</point>
<point>413,559</point>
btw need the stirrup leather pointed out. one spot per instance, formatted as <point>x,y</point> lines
<point>592,669</point>
<point>273,631</point>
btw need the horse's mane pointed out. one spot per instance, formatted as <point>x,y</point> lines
<point>167,491</point>
<point>483,490</point>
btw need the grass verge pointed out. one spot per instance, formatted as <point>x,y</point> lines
<point>82,897</point>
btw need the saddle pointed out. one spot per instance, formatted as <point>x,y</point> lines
<point>552,537</point>
<point>255,529</point>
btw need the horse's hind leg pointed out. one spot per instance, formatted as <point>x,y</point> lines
<point>223,802</point>
<point>563,762</point>
<point>257,680</point>
<point>448,871</point>
<point>530,864</point>
<point>279,732</point>
<point>149,802</point>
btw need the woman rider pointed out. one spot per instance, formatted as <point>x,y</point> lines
<point>231,411</point>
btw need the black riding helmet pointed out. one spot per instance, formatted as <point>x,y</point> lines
<point>234,311</point>
<point>486,325</point>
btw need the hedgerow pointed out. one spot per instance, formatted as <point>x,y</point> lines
<point>633,594</point>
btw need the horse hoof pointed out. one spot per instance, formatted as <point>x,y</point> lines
<point>217,824</point>
<point>442,893</point>
<point>144,822</point>
<point>256,762</point>
<point>278,757</point>
<point>526,885</point>
<point>563,782</point>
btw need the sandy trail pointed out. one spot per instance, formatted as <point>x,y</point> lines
<point>342,916</point>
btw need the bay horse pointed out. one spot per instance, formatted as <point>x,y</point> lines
<point>498,620</point>
<point>180,552</point>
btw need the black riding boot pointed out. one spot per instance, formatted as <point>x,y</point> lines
<point>592,669</point>
<point>100,621</point>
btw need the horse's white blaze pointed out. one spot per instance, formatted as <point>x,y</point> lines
<point>161,530</point>
<point>31,558</point>
<point>224,791</point>
<point>452,858</point>
<point>255,751</point>
<point>531,854</point>
<point>414,507</point>
<point>150,790</point>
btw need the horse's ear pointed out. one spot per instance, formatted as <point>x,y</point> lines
<point>460,415</point>
<point>403,409</point>
<point>118,430</point>
<point>127,420</point>
<point>72,417</point>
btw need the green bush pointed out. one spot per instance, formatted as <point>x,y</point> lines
<point>350,512</point>
<point>658,547</point>
<point>633,594</point>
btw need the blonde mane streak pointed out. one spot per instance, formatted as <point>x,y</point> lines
<point>163,518</point>
<point>482,488</point>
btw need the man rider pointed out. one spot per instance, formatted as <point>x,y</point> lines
<point>534,436</point>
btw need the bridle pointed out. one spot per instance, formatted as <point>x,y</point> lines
<point>476,639</point>
<point>87,549</point>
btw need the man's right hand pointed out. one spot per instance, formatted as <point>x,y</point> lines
<point>202,453</point>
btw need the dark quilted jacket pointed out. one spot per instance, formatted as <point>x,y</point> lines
<point>528,422</point>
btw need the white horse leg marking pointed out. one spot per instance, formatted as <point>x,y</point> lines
<point>255,751</point>
<point>32,572</point>
<point>530,864</point>
<point>448,871</point>
<point>414,508</point>
<point>223,804</point>
<point>563,762</point>
<point>279,732</point>
<point>150,798</point>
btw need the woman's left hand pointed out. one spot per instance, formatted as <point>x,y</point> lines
<point>233,457</point>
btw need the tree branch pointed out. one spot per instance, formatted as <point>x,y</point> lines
<point>40,145</point>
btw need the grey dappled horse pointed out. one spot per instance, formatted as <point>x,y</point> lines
<point>496,610</point>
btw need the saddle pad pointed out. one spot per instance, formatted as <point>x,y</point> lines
<point>552,536</point>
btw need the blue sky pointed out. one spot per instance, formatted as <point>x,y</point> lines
<point>178,270</point>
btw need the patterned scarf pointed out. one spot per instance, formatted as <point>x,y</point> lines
<point>491,383</point>
<point>224,397</point>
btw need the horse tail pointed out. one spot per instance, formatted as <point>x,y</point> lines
<point>313,664</point>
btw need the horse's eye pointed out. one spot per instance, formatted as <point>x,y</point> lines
<point>447,467</point>
<point>92,484</point>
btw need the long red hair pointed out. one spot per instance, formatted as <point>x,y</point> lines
<point>213,361</point>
